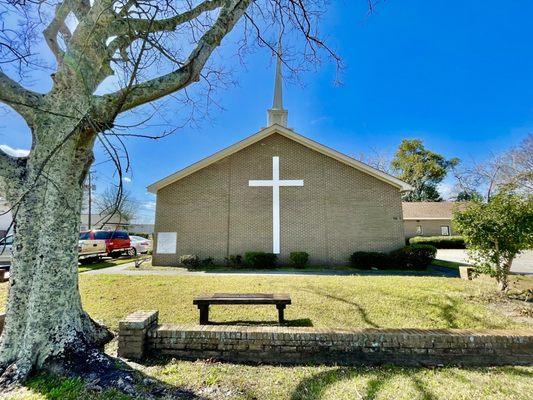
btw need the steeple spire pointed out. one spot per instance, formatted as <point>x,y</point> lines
<point>277,114</point>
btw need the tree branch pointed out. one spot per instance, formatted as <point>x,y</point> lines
<point>134,26</point>
<point>80,8</point>
<point>22,100</point>
<point>189,72</point>
<point>11,168</point>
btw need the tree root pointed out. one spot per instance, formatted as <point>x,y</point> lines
<point>13,375</point>
<point>100,372</point>
<point>95,367</point>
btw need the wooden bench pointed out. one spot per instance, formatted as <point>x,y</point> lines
<point>203,302</point>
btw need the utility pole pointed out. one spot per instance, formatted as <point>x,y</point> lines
<point>89,187</point>
<point>90,201</point>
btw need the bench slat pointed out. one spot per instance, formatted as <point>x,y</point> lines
<point>243,298</point>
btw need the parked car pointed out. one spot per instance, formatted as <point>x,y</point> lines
<point>140,244</point>
<point>90,249</point>
<point>6,252</point>
<point>117,242</point>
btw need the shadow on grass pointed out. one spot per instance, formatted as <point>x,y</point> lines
<point>431,271</point>
<point>288,322</point>
<point>360,309</point>
<point>315,386</point>
<point>451,311</point>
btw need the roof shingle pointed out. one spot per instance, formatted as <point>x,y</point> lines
<point>430,209</point>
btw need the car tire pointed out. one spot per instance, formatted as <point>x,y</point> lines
<point>132,252</point>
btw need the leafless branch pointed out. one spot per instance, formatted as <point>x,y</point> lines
<point>190,71</point>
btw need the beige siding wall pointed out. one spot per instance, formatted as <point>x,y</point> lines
<point>339,209</point>
<point>429,227</point>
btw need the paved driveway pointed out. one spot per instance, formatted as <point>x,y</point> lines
<point>523,264</point>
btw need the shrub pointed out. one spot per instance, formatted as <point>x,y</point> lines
<point>299,259</point>
<point>369,259</point>
<point>207,262</point>
<point>259,259</point>
<point>440,242</point>
<point>190,260</point>
<point>415,257</point>
<point>233,260</point>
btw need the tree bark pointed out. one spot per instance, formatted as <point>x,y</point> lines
<point>44,316</point>
<point>503,276</point>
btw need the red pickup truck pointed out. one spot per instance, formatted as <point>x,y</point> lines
<point>117,243</point>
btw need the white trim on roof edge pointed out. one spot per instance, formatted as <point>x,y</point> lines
<point>290,134</point>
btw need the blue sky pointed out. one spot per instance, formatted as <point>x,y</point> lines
<point>456,74</point>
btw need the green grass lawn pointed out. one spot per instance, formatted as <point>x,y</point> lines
<point>223,381</point>
<point>324,301</point>
<point>320,301</point>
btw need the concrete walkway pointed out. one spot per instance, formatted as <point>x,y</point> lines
<point>523,264</point>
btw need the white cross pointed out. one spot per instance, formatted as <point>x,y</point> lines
<point>276,183</point>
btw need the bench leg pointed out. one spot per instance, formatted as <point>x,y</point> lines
<point>281,310</point>
<point>204,314</point>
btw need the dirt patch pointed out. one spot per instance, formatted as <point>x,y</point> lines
<point>518,311</point>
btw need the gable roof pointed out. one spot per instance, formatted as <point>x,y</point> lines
<point>290,134</point>
<point>430,209</point>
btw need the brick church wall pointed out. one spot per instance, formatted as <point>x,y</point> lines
<point>339,209</point>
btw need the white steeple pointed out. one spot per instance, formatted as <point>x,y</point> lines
<point>277,114</point>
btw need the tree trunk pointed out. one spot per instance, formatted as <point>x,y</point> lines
<point>503,276</point>
<point>44,317</point>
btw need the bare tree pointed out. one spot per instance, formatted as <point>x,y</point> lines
<point>115,203</point>
<point>134,40</point>
<point>512,170</point>
<point>377,159</point>
<point>517,167</point>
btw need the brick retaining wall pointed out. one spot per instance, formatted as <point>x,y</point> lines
<point>295,345</point>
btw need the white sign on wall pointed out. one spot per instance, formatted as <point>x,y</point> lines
<point>166,242</point>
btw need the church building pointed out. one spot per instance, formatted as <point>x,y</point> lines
<point>278,192</point>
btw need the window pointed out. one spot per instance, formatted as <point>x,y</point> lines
<point>120,235</point>
<point>85,235</point>
<point>102,235</point>
<point>445,230</point>
<point>419,230</point>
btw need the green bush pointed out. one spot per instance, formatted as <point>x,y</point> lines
<point>190,260</point>
<point>207,262</point>
<point>234,260</point>
<point>259,259</point>
<point>369,260</point>
<point>440,242</point>
<point>299,259</point>
<point>413,257</point>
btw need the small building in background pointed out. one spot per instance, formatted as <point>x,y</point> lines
<point>429,218</point>
<point>105,221</point>
<point>145,229</point>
